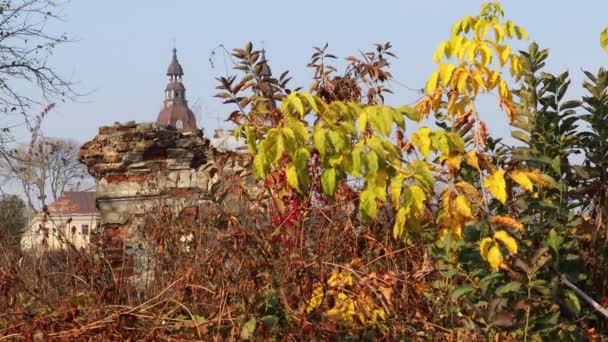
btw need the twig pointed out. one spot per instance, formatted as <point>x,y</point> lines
<point>583,295</point>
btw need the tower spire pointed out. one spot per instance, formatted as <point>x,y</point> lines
<point>176,112</point>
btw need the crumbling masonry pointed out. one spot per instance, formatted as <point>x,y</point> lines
<point>143,170</point>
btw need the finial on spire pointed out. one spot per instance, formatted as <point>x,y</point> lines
<point>175,69</point>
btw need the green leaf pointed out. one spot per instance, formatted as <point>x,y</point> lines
<point>310,100</point>
<point>548,320</point>
<point>555,241</point>
<point>301,158</point>
<point>439,142</point>
<point>318,138</point>
<point>572,300</point>
<point>328,182</point>
<point>371,159</point>
<point>269,321</point>
<point>367,204</point>
<point>399,227</point>
<point>461,290</point>
<point>395,188</point>
<point>422,140</point>
<point>486,281</point>
<point>277,147</point>
<point>423,174</point>
<point>248,329</point>
<point>355,155</point>
<point>398,118</point>
<point>297,104</point>
<point>387,115</point>
<point>337,140</point>
<point>380,118</point>
<point>250,138</point>
<point>455,142</point>
<point>300,129</point>
<point>521,136</point>
<point>410,112</point>
<point>513,286</point>
<point>259,166</point>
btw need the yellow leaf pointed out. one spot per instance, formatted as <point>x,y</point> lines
<point>541,179</point>
<point>604,38</point>
<point>468,189</point>
<point>508,222</point>
<point>498,32</point>
<point>362,122</point>
<point>516,67</point>
<point>521,178</point>
<point>510,28</point>
<point>486,54</point>
<point>507,240</point>
<point>463,49</point>
<point>457,232</point>
<point>456,45</point>
<point>472,49</point>
<point>504,51</point>
<point>497,185</point>
<point>431,86</point>
<point>471,159</point>
<point>521,33</point>
<point>492,79</point>
<point>316,299</point>
<point>461,84</point>
<point>484,247</point>
<point>441,50</point>
<point>422,140</point>
<point>463,206</point>
<point>453,162</point>
<point>503,89</point>
<point>445,73</point>
<point>495,258</point>
<point>291,174</point>
<point>340,279</point>
<point>418,198</point>
<point>395,189</point>
<point>478,80</point>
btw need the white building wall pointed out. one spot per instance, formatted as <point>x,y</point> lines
<point>59,231</point>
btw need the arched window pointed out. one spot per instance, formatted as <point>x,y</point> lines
<point>179,124</point>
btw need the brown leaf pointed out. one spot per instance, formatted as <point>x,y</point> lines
<point>504,319</point>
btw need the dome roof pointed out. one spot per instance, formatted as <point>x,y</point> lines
<point>170,115</point>
<point>175,69</point>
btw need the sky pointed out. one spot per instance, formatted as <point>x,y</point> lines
<point>121,49</point>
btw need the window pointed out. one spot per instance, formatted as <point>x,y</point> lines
<point>84,229</point>
<point>179,124</point>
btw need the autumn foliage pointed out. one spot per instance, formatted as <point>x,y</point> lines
<point>368,229</point>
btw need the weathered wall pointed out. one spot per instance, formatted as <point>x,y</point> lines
<point>142,171</point>
<point>55,230</point>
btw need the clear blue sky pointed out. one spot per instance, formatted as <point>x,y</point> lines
<point>124,47</point>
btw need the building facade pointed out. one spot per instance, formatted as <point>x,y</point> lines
<point>65,224</point>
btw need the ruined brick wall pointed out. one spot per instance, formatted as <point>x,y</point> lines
<point>141,171</point>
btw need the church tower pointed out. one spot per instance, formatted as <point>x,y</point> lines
<point>175,112</point>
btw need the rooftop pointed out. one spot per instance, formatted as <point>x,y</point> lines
<point>74,202</point>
